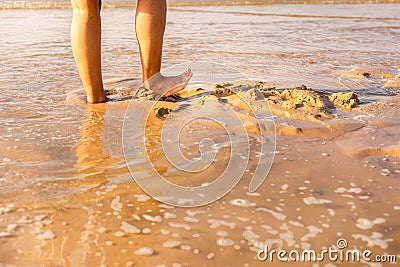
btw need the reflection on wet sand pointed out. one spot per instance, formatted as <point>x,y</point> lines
<point>89,147</point>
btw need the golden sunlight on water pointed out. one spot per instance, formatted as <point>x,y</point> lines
<point>68,198</point>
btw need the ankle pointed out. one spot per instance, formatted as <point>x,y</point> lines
<point>96,98</point>
<point>155,78</point>
<point>95,101</point>
<point>149,73</point>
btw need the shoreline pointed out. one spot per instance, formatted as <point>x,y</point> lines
<point>54,6</point>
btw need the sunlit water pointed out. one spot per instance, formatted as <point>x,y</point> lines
<point>281,44</point>
<point>51,148</point>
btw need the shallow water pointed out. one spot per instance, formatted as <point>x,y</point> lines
<point>284,45</point>
<point>53,152</point>
<point>64,4</point>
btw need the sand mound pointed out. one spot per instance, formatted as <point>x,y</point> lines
<point>303,101</point>
<point>345,100</point>
<point>300,102</point>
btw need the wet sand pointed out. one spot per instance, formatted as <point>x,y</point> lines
<point>335,175</point>
<point>68,199</point>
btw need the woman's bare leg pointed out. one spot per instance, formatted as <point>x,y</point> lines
<point>86,46</point>
<point>150,26</point>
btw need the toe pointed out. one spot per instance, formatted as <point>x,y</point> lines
<point>187,75</point>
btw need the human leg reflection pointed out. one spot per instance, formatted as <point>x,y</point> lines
<point>90,156</point>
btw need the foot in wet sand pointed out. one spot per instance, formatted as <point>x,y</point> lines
<point>168,85</point>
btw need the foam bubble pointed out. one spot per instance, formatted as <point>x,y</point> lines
<point>210,255</point>
<point>150,218</point>
<point>194,212</point>
<point>145,251</point>
<point>186,247</point>
<point>374,240</point>
<point>116,204</point>
<point>5,234</point>
<point>364,223</point>
<point>136,217</point>
<point>48,234</point>
<point>4,210</point>
<point>129,228</point>
<point>296,223</point>
<point>169,215</point>
<point>146,230</point>
<point>176,235</point>
<point>191,219</point>
<point>164,232</point>
<point>313,231</point>
<point>277,215</point>
<point>313,200</point>
<point>215,223</point>
<point>180,225</point>
<point>225,242</point>
<point>242,219</point>
<point>356,190</point>
<point>141,197</point>
<point>171,243</point>
<point>222,233</point>
<point>119,233</point>
<point>11,227</point>
<point>250,235</point>
<point>242,203</point>
<point>340,190</point>
<point>331,212</point>
<point>253,194</point>
<point>165,206</point>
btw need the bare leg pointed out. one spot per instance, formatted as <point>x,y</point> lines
<point>150,26</point>
<point>86,46</point>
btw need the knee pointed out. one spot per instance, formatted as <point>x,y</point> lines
<point>91,7</point>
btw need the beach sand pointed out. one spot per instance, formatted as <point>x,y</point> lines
<point>335,175</point>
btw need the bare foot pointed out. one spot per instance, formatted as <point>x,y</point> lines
<point>168,85</point>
